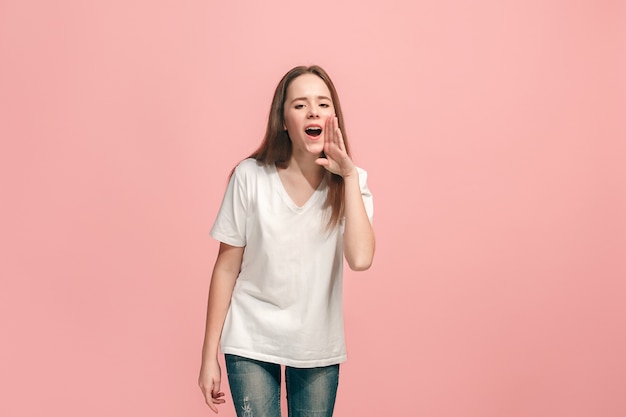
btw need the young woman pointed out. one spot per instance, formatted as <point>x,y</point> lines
<point>290,213</point>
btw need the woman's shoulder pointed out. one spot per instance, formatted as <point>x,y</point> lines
<point>361,171</point>
<point>249,168</point>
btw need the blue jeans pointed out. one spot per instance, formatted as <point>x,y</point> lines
<point>255,387</point>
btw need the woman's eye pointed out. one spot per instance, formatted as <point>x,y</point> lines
<point>325,105</point>
<point>299,106</point>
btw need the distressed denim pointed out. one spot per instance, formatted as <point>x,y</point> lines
<point>255,387</point>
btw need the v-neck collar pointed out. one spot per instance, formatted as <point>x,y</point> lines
<point>282,191</point>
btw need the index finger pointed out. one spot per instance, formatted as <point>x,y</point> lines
<point>208,397</point>
<point>328,129</point>
<point>338,135</point>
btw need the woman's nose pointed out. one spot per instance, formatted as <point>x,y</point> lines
<point>313,113</point>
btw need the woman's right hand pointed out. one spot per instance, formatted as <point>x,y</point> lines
<point>209,381</point>
<point>225,272</point>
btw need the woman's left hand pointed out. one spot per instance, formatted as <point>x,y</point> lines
<point>337,160</point>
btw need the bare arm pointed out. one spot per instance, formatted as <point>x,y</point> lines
<point>358,237</point>
<point>225,272</point>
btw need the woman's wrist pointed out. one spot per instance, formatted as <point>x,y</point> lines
<point>350,173</point>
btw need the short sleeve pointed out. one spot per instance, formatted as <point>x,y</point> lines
<point>368,199</point>
<point>230,224</point>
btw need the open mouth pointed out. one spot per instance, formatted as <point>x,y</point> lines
<point>314,131</point>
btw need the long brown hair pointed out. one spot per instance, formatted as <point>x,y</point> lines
<point>276,145</point>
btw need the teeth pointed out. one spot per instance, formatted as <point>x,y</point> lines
<point>313,128</point>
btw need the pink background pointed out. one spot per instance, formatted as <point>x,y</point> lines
<point>494,135</point>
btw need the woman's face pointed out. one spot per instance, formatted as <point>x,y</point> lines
<point>307,106</point>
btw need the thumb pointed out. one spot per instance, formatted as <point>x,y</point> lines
<point>322,162</point>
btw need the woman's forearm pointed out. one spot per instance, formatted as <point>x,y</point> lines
<point>358,237</point>
<point>223,280</point>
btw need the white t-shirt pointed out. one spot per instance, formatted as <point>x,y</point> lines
<point>286,306</point>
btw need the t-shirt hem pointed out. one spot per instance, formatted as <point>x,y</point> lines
<point>295,363</point>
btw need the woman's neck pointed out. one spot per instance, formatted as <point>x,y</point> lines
<point>305,165</point>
